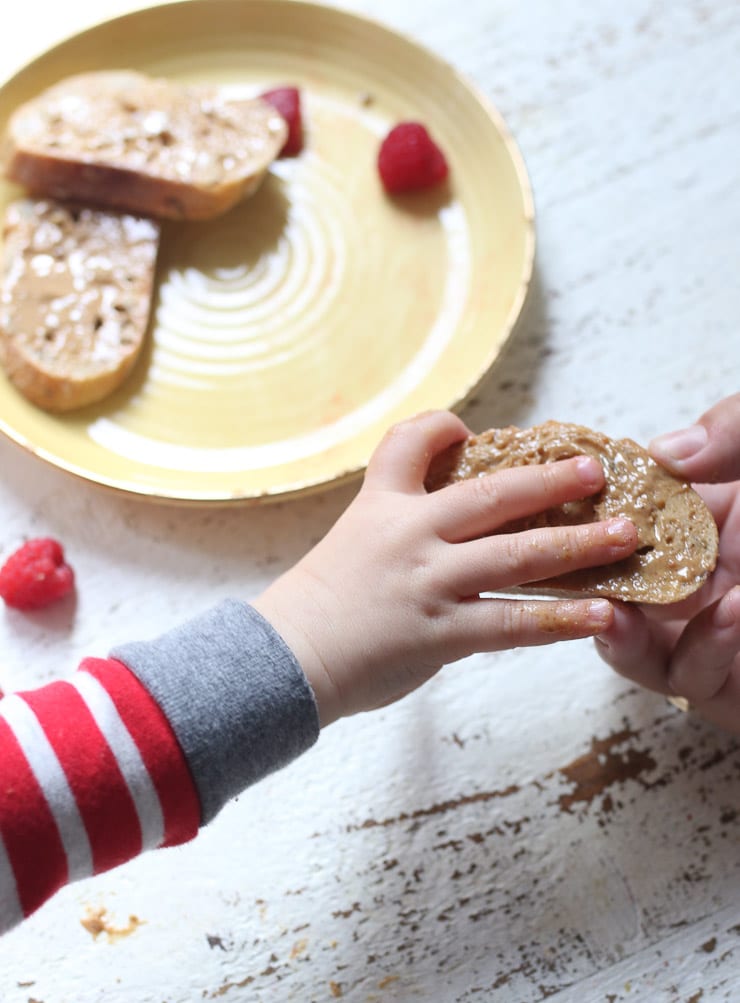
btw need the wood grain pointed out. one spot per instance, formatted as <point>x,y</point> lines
<point>527,826</point>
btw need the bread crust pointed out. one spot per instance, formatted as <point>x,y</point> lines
<point>678,539</point>
<point>77,286</point>
<point>142,145</point>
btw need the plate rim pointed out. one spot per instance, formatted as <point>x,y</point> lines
<point>171,496</point>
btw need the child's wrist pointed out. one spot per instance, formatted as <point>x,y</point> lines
<point>305,653</point>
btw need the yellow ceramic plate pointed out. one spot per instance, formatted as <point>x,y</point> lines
<point>289,334</point>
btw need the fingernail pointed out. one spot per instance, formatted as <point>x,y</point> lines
<point>727,612</point>
<point>620,531</point>
<point>681,445</point>
<point>600,612</point>
<point>590,471</point>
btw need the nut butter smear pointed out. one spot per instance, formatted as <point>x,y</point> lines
<point>69,298</point>
<point>139,123</point>
<point>145,145</point>
<point>678,540</point>
<point>74,299</point>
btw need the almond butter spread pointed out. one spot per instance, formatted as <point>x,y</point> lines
<point>76,289</point>
<point>128,120</point>
<point>677,535</point>
<point>145,145</point>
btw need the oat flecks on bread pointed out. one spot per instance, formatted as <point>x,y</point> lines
<point>77,287</point>
<point>677,533</point>
<point>141,144</point>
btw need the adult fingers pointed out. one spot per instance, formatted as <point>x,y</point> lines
<point>707,451</point>
<point>706,651</point>
<point>499,624</point>
<point>402,459</point>
<point>723,709</point>
<point>636,648</point>
<point>510,559</point>
<point>471,508</point>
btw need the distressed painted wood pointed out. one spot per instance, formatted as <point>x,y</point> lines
<point>527,826</point>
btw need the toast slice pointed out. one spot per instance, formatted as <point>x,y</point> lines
<point>75,299</point>
<point>142,145</point>
<point>677,533</point>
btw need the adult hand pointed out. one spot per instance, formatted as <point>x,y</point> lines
<point>692,649</point>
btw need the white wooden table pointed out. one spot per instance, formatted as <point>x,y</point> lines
<point>527,826</point>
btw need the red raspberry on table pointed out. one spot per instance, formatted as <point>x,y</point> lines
<point>287,100</point>
<point>410,160</point>
<point>36,575</point>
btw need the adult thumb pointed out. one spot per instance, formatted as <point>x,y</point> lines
<point>707,452</point>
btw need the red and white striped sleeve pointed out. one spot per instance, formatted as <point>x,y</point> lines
<point>91,774</point>
<point>139,750</point>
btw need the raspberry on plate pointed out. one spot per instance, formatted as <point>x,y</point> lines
<point>287,100</point>
<point>410,160</point>
<point>36,575</point>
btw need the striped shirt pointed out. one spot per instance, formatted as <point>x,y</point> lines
<point>137,751</point>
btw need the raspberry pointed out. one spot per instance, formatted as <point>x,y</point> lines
<point>409,159</point>
<point>287,100</point>
<point>36,575</point>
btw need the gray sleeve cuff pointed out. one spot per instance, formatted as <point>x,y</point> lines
<point>234,695</point>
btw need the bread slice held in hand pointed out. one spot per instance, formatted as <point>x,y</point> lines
<point>678,540</point>
<point>142,144</point>
<point>77,287</point>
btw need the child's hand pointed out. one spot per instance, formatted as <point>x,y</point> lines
<point>392,592</point>
<point>692,649</point>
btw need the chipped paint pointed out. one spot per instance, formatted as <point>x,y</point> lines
<point>527,826</point>
<point>452,804</point>
<point>609,761</point>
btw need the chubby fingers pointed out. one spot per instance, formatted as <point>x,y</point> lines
<point>510,559</point>
<point>498,624</point>
<point>401,461</point>
<point>481,505</point>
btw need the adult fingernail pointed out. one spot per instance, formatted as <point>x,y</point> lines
<point>682,445</point>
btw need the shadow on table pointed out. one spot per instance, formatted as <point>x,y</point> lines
<point>510,389</point>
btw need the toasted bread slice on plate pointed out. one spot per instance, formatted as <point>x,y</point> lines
<point>76,296</point>
<point>142,145</point>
